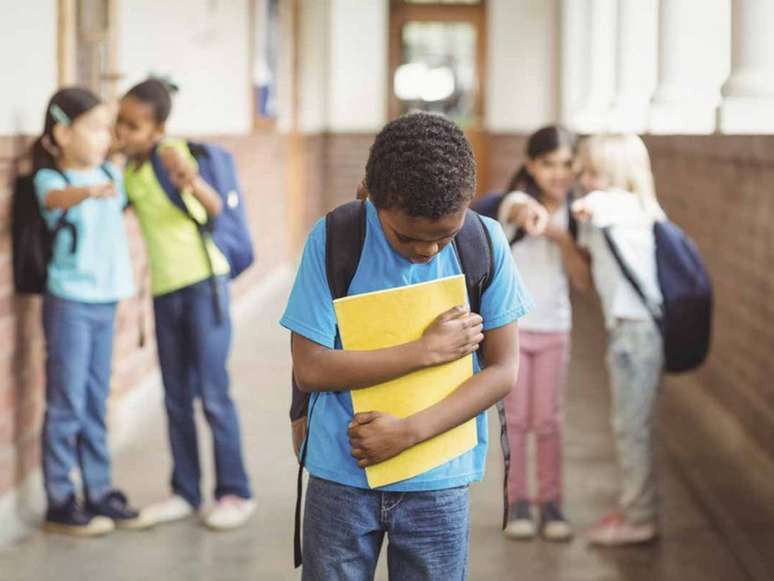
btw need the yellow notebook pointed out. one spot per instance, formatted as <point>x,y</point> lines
<point>392,317</point>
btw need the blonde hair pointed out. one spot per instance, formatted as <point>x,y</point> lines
<point>623,159</point>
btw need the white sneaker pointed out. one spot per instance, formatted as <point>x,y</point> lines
<point>230,512</point>
<point>521,524</point>
<point>171,509</point>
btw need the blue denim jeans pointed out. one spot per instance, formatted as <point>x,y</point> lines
<point>79,346</point>
<point>194,346</point>
<point>344,528</point>
<point>636,364</point>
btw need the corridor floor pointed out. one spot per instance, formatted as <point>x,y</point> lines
<point>691,547</point>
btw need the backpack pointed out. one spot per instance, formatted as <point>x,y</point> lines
<point>685,320</point>
<point>32,240</point>
<point>489,205</point>
<point>345,229</point>
<point>229,229</point>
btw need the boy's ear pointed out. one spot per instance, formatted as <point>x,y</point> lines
<point>362,191</point>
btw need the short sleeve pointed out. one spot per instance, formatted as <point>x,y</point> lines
<point>309,311</point>
<point>505,300</point>
<point>46,180</point>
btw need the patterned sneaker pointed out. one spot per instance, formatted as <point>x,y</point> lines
<point>614,531</point>
<point>168,510</point>
<point>71,519</point>
<point>553,525</point>
<point>115,506</point>
<point>521,525</point>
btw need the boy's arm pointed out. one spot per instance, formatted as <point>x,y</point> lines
<point>377,436</point>
<point>452,335</point>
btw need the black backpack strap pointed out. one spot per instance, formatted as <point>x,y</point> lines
<point>572,222</point>
<point>63,223</point>
<point>476,254</point>
<point>630,276</point>
<point>345,231</point>
<point>474,250</point>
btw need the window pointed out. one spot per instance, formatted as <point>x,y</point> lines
<point>266,24</point>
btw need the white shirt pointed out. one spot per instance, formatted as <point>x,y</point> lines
<point>539,261</point>
<point>631,228</point>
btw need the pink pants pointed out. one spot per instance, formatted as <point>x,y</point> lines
<point>536,405</point>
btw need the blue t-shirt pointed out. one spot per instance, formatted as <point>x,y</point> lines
<point>100,269</point>
<point>310,313</point>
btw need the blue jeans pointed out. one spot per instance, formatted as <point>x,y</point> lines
<point>344,528</point>
<point>636,363</point>
<point>79,345</point>
<point>193,348</point>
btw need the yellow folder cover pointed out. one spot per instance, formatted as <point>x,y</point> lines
<point>392,317</point>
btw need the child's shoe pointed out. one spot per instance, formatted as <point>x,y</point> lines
<point>72,519</point>
<point>553,525</point>
<point>521,525</point>
<point>615,531</point>
<point>168,510</point>
<point>115,506</point>
<point>230,512</point>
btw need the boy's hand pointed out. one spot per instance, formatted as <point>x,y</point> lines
<point>453,335</point>
<point>529,215</point>
<point>376,437</point>
<point>182,172</point>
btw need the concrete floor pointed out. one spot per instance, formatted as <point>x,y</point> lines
<point>696,544</point>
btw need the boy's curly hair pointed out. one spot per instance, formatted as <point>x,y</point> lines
<point>423,164</point>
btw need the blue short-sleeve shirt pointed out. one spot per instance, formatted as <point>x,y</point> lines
<point>310,313</point>
<point>100,269</point>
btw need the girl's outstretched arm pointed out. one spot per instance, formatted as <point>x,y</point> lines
<point>66,198</point>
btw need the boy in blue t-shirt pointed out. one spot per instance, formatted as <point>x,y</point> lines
<point>420,179</point>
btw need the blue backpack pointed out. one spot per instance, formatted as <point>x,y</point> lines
<point>228,230</point>
<point>685,320</point>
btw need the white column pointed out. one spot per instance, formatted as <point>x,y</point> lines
<point>636,64</point>
<point>600,68</point>
<point>748,106</point>
<point>573,64</point>
<point>694,58</point>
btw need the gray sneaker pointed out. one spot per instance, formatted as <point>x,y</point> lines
<point>521,524</point>
<point>553,525</point>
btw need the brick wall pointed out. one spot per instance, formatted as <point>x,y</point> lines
<point>261,160</point>
<point>719,189</point>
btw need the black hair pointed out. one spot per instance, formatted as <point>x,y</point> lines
<point>65,106</point>
<point>423,164</point>
<point>156,92</point>
<point>545,140</point>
